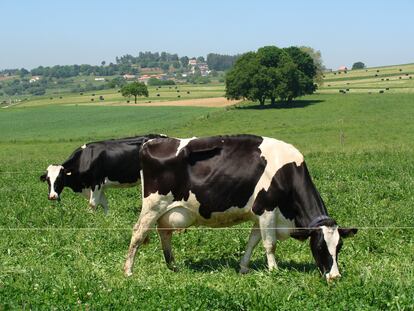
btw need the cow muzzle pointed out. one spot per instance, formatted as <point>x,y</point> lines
<point>54,197</point>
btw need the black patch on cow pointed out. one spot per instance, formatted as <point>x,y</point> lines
<point>221,171</point>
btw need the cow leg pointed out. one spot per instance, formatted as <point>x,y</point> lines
<point>165,237</point>
<point>254,238</point>
<point>104,202</point>
<point>94,198</point>
<point>267,223</point>
<point>141,229</point>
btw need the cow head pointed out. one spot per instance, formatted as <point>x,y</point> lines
<point>55,177</point>
<point>326,242</point>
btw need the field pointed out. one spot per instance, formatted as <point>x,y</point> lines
<point>359,150</point>
<point>389,79</point>
<point>113,97</point>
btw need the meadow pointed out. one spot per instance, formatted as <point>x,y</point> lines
<point>359,150</point>
<point>114,97</point>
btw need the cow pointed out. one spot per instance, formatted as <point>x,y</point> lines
<point>225,180</point>
<point>95,166</point>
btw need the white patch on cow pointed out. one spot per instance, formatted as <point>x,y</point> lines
<point>83,146</point>
<point>276,153</point>
<point>183,142</point>
<point>141,174</point>
<point>53,172</point>
<point>285,226</point>
<point>331,237</point>
<point>230,217</point>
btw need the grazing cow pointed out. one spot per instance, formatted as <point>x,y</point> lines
<point>225,180</point>
<point>96,166</point>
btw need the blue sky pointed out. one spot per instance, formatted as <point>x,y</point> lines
<point>46,32</point>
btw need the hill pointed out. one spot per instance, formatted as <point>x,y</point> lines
<point>388,79</point>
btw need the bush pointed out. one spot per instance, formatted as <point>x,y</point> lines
<point>358,65</point>
<point>158,82</point>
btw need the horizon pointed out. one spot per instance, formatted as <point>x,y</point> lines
<point>374,32</point>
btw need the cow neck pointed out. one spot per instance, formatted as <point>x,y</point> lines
<point>72,165</point>
<point>310,208</point>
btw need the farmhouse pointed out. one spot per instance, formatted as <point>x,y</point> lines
<point>342,68</point>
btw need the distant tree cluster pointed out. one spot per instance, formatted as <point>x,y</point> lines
<point>272,73</point>
<point>158,82</point>
<point>23,86</point>
<point>220,62</point>
<point>358,65</point>
<point>161,60</point>
<point>76,70</point>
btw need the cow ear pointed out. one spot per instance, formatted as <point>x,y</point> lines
<point>67,172</point>
<point>347,232</point>
<point>43,177</point>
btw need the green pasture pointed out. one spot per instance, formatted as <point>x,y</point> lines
<point>359,150</point>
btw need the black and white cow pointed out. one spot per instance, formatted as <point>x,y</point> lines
<point>224,180</point>
<point>96,166</point>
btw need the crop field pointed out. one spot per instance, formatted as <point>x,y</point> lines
<point>359,149</point>
<point>113,97</point>
<point>388,79</point>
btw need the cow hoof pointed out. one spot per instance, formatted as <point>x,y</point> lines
<point>173,268</point>
<point>244,270</point>
<point>128,273</point>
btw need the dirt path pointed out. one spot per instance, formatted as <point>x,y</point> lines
<point>197,102</point>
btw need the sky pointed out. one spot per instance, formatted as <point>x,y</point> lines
<point>61,32</point>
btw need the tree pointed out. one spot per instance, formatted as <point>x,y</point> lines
<point>271,73</point>
<point>23,72</point>
<point>134,89</point>
<point>165,67</point>
<point>200,59</point>
<point>317,61</point>
<point>358,65</point>
<point>184,61</point>
<point>116,82</point>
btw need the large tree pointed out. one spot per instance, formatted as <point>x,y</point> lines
<point>271,73</point>
<point>134,89</point>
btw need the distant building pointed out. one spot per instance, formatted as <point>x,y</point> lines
<point>34,79</point>
<point>129,77</point>
<point>192,62</point>
<point>99,79</point>
<point>342,68</point>
<point>145,78</point>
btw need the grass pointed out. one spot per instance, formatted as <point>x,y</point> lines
<point>359,150</point>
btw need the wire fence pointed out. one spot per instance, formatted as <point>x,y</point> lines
<point>191,228</point>
<point>177,229</point>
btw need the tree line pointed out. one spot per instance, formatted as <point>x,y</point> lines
<point>128,64</point>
